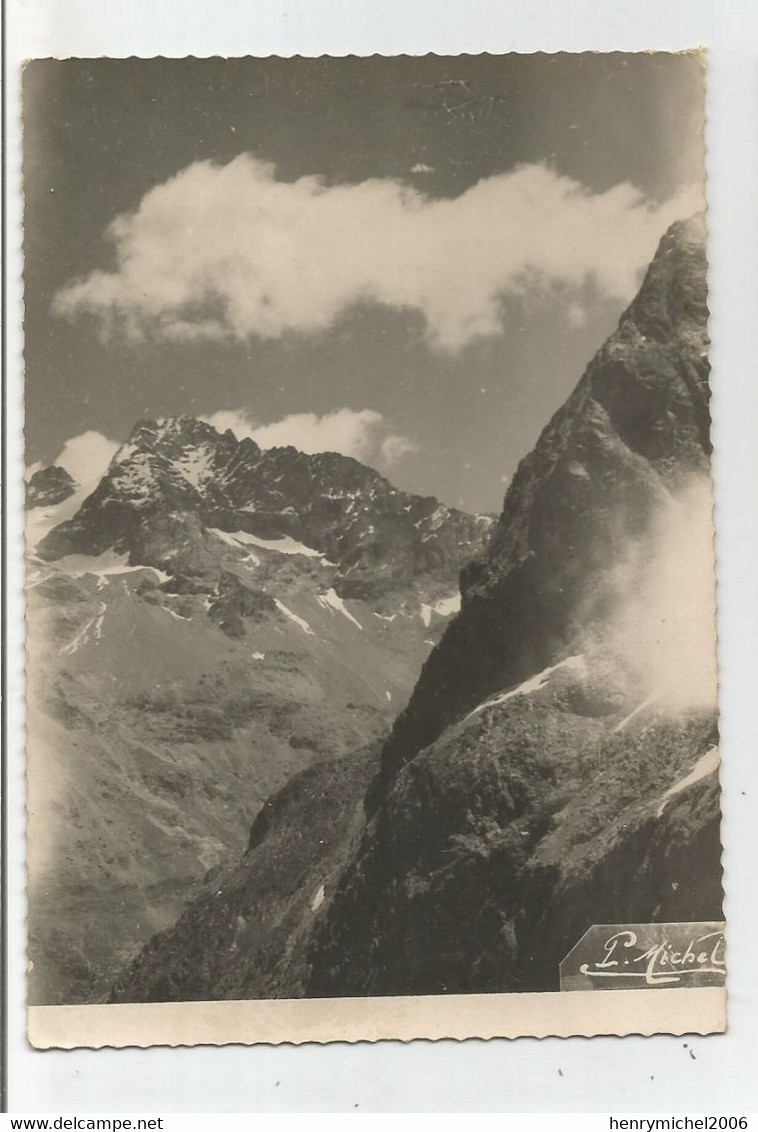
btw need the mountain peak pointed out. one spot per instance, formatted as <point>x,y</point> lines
<point>634,431</point>
<point>154,432</point>
<point>180,474</point>
<point>49,486</point>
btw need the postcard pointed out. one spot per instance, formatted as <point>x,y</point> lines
<point>370,579</point>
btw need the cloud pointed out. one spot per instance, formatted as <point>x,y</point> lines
<point>665,627</point>
<point>420,167</point>
<point>87,456</point>
<point>576,315</point>
<point>237,420</point>
<point>230,252</point>
<point>394,448</point>
<point>362,433</point>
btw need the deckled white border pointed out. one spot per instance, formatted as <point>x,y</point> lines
<point>633,1074</point>
<point>696,1010</point>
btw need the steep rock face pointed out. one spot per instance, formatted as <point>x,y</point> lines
<point>245,934</point>
<point>634,430</point>
<point>536,783</point>
<point>177,479</point>
<point>501,843</point>
<point>509,819</point>
<point>497,847</point>
<point>49,486</point>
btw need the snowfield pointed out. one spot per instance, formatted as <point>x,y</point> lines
<point>284,545</point>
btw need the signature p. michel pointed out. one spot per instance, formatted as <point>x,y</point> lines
<point>630,956</point>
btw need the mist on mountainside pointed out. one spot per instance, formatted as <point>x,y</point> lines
<point>664,628</point>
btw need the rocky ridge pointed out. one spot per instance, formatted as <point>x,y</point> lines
<point>633,433</point>
<point>178,486</point>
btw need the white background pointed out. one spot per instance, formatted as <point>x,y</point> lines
<point>653,1075</point>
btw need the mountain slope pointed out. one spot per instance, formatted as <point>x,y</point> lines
<point>555,765</point>
<point>188,654</point>
<point>634,431</point>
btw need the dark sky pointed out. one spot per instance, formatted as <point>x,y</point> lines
<point>100,134</point>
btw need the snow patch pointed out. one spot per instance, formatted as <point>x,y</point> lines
<point>334,603</point>
<point>445,607</point>
<point>259,656</point>
<point>285,545</point>
<point>448,605</point>
<point>640,708</point>
<point>318,899</point>
<point>178,616</point>
<point>101,565</point>
<point>196,465</point>
<point>95,623</point>
<point>433,521</point>
<point>705,765</point>
<point>99,620</point>
<point>299,621</point>
<point>575,664</point>
<point>382,617</point>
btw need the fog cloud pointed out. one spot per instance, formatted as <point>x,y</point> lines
<point>666,627</point>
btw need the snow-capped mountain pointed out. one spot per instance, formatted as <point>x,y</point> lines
<point>179,494</point>
<point>204,622</point>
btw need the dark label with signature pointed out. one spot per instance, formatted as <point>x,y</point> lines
<point>644,956</point>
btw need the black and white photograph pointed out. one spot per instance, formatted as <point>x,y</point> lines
<point>371,640</point>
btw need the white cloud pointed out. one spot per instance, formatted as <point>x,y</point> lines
<point>228,251</point>
<point>86,457</point>
<point>237,420</point>
<point>394,448</point>
<point>362,433</point>
<point>420,167</point>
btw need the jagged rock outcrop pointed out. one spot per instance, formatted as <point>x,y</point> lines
<point>536,782</point>
<point>49,486</point>
<point>234,601</point>
<point>245,934</point>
